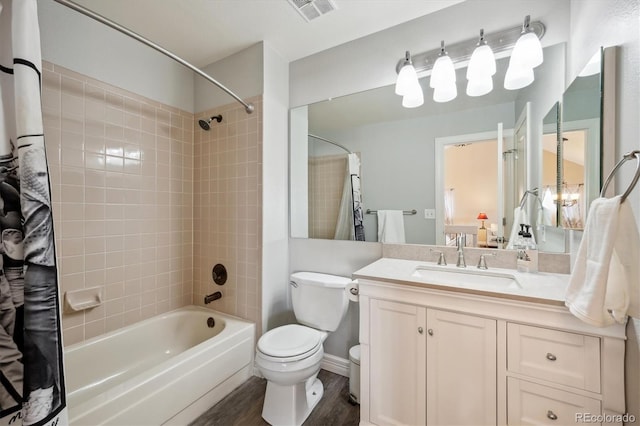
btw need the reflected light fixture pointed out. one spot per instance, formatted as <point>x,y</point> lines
<point>480,79</point>
<point>527,54</point>
<point>481,68</point>
<point>408,86</point>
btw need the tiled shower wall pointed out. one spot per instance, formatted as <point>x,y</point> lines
<point>227,209</point>
<point>121,169</point>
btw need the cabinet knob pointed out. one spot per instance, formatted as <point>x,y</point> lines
<point>551,357</point>
<point>430,331</point>
<point>551,415</point>
<point>420,330</point>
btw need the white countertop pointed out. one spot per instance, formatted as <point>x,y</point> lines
<point>539,287</point>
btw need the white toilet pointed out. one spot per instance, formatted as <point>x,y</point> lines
<point>289,356</point>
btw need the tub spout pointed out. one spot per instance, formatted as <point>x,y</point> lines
<point>211,297</point>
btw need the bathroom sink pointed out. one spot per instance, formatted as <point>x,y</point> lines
<point>465,277</point>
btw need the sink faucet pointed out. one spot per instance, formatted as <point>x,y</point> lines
<point>461,241</point>
<point>482,262</point>
<point>441,259</point>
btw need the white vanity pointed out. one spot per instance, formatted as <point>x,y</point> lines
<point>446,345</point>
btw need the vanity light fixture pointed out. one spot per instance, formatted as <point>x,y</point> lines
<point>462,52</point>
<point>526,55</point>
<point>408,86</point>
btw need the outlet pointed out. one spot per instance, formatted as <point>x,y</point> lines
<point>429,213</point>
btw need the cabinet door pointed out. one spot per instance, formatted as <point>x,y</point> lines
<point>397,363</point>
<point>461,369</point>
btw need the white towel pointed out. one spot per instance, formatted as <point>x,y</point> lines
<point>390,226</point>
<point>603,287</point>
<point>519,216</point>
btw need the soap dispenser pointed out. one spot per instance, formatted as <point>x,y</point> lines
<point>528,253</point>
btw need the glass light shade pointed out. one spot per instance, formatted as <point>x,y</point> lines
<point>413,100</point>
<point>527,52</point>
<point>482,63</point>
<point>518,77</point>
<point>482,216</point>
<point>445,93</point>
<point>407,77</point>
<point>443,72</point>
<point>480,86</point>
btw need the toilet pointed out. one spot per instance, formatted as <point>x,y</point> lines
<point>289,356</point>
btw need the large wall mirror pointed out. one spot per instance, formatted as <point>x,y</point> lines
<point>441,164</point>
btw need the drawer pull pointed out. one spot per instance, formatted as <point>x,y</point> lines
<point>430,331</point>
<point>551,415</point>
<point>420,330</point>
<point>551,357</point>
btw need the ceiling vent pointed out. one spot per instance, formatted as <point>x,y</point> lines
<point>312,9</point>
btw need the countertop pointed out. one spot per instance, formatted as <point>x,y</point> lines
<point>541,287</point>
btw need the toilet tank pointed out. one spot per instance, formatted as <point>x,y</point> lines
<point>319,300</point>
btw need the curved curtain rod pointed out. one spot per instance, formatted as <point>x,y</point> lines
<point>247,107</point>
<point>328,141</point>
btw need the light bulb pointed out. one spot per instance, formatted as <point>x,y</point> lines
<point>480,86</point>
<point>445,92</point>
<point>527,51</point>
<point>518,77</point>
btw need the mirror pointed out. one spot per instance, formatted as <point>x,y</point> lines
<point>396,150</point>
<point>572,148</point>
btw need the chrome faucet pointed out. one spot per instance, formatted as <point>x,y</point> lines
<point>211,297</point>
<point>441,259</point>
<point>482,262</point>
<point>461,241</point>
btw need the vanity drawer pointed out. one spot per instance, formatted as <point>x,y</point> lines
<point>533,404</point>
<point>557,356</point>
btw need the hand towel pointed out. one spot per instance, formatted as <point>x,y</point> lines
<point>519,216</point>
<point>391,226</point>
<point>605,274</point>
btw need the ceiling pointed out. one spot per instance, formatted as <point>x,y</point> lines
<point>205,31</point>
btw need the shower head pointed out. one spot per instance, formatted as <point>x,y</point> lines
<point>205,123</point>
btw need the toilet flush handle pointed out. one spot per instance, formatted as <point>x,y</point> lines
<point>293,284</point>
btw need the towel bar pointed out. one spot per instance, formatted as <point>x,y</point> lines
<point>404,212</point>
<point>629,156</point>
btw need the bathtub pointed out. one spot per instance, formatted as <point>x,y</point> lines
<point>168,369</point>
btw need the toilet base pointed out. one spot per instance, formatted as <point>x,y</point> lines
<point>291,404</point>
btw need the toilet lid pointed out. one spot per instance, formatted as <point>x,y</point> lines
<point>289,340</point>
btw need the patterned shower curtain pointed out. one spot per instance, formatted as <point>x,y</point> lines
<point>31,375</point>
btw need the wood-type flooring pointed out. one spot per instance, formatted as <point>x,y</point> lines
<point>243,406</point>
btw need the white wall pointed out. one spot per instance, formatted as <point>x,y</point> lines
<point>596,23</point>
<point>81,44</point>
<point>275,207</point>
<point>242,73</point>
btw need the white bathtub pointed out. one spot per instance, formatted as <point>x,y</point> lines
<point>165,370</point>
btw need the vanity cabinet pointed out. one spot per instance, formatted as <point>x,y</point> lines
<point>429,366</point>
<point>437,356</point>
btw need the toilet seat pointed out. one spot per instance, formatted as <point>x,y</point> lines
<point>289,343</point>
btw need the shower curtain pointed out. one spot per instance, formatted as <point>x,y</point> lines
<point>350,224</point>
<point>31,375</point>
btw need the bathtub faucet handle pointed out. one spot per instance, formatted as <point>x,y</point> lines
<point>213,296</point>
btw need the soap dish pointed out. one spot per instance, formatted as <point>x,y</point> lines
<point>80,300</point>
